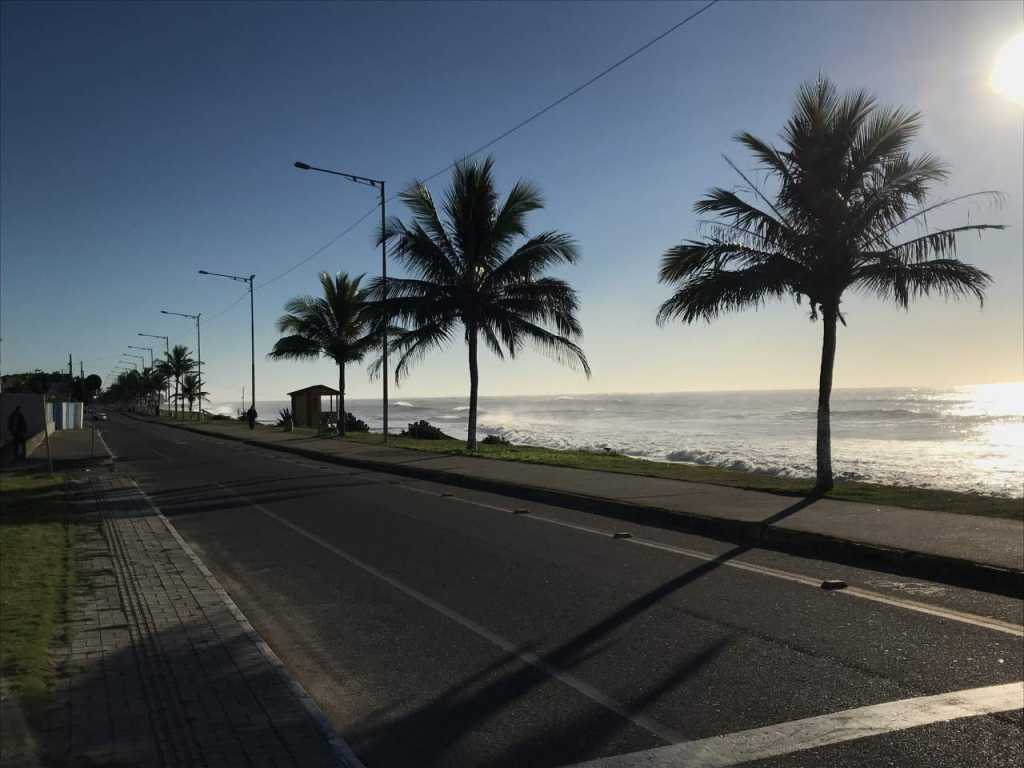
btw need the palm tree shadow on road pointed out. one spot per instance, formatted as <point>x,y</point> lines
<point>426,734</point>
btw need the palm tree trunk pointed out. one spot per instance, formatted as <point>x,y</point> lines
<point>176,399</point>
<point>474,385</point>
<point>828,357</point>
<point>341,399</point>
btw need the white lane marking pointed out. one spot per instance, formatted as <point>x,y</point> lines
<point>963,617</point>
<point>654,728</point>
<point>812,732</point>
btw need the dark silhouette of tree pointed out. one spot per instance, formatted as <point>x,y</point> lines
<point>846,190</point>
<point>177,364</point>
<point>338,325</point>
<point>467,271</point>
<point>191,391</point>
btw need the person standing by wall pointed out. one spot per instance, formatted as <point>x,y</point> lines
<point>18,428</point>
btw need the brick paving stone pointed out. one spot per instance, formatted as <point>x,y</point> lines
<point>160,671</point>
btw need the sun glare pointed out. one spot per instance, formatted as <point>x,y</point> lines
<point>1008,73</point>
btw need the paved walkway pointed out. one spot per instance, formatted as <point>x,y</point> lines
<point>989,541</point>
<point>72,448</point>
<point>164,669</point>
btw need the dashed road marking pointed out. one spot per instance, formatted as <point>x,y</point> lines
<point>654,728</point>
<point>963,617</point>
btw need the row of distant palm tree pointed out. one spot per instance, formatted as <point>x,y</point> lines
<point>845,188</point>
<point>146,386</point>
<point>178,366</point>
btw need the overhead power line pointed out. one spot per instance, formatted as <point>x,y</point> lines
<point>608,70</point>
<point>505,134</point>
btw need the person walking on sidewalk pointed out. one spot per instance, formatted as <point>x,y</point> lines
<point>18,428</point>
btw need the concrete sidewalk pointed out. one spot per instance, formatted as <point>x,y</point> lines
<point>72,448</point>
<point>980,551</point>
<point>163,669</point>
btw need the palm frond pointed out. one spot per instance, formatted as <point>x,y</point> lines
<point>706,295</point>
<point>559,348</point>
<point>510,222</point>
<point>902,280</point>
<point>534,257</point>
<point>414,345</point>
<point>941,243</point>
<point>295,348</point>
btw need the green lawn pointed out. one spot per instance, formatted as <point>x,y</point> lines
<point>34,578</point>
<point>918,498</point>
<point>869,493</point>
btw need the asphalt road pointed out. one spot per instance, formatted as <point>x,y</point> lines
<point>436,627</point>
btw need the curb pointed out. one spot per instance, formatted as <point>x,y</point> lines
<point>343,754</point>
<point>904,562</point>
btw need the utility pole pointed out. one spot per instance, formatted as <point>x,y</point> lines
<point>71,367</point>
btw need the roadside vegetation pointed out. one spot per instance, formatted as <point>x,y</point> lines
<point>36,575</point>
<point>870,493</point>
<point>609,461</point>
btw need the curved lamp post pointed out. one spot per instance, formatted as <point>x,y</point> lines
<point>251,280</point>
<point>167,353</point>
<point>379,184</point>
<point>199,352</point>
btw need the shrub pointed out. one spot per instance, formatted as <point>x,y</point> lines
<point>424,430</point>
<point>284,416</point>
<point>355,424</point>
<point>495,440</point>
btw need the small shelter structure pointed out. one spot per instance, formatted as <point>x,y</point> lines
<point>306,404</point>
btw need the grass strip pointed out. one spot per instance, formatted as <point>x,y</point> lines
<point>34,578</point>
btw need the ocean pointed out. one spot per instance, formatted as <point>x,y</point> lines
<point>968,438</point>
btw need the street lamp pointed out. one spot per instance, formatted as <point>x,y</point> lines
<point>251,280</point>
<point>139,357</point>
<point>167,353</point>
<point>147,349</point>
<point>132,363</point>
<point>379,184</point>
<point>199,352</point>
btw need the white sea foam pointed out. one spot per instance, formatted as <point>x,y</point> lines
<point>958,438</point>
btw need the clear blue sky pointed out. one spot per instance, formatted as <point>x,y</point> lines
<point>142,141</point>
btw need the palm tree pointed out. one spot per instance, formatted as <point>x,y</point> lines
<point>165,371</point>
<point>339,325</point>
<point>466,271</point>
<point>845,189</point>
<point>153,383</point>
<point>191,391</point>
<point>179,362</point>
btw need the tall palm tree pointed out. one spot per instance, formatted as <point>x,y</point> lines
<point>845,190</point>
<point>192,391</point>
<point>153,383</point>
<point>467,271</point>
<point>339,325</point>
<point>179,362</point>
<point>164,370</point>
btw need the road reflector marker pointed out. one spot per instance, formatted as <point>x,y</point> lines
<point>622,535</point>
<point>640,720</point>
<point>833,584</point>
